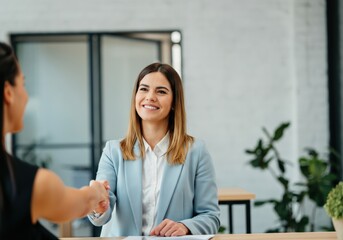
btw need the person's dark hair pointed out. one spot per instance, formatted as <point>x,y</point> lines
<point>8,71</point>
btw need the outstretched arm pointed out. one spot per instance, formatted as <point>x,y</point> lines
<point>54,201</point>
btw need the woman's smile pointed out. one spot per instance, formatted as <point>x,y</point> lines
<point>150,107</point>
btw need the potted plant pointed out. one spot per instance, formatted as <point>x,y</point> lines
<point>317,182</point>
<point>334,208</point>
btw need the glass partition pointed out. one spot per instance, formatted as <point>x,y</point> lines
<point>56,76</point>
<point>122,60</point>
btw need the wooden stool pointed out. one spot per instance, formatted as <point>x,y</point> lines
<point>232,196</point>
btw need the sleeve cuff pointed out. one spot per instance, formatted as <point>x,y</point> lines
<point>98,219</point>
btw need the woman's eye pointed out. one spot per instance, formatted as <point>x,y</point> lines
<point>161,92</point>
<point>143,89</point>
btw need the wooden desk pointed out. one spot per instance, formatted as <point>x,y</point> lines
<point>278,236</point>
<point>232,196</point>
<point>255,236</point>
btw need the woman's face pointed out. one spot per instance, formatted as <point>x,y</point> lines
<point>17,103</point>
<point>154,98</point>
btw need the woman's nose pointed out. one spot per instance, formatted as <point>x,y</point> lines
<point>150,96</point>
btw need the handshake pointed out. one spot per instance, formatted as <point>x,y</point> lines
<point>100,189</point>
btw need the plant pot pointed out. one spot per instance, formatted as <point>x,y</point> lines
<point>338,224</point>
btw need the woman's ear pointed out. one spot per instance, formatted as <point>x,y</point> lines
<point>8,93</point>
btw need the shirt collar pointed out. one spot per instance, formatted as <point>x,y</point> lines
<point>161,147</point>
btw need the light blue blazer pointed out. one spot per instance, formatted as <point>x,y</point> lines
<point>188,193</point>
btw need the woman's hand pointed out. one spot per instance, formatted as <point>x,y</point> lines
<point>169,228</point>
<point>102,187</point>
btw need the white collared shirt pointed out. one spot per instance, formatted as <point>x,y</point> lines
<point>153,166</point>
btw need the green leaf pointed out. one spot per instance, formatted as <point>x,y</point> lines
<point>260,162</point>
<point>279,131</point>
<point>312,152</point>
<point>259,203</point>
<point>300,197</point>
<point>282,210</point>
<point>250,151</point>
<point>304,163</point>
<point>273,230</point>
<point>262,202</point>
<point>300,184</point>
<point>281,165</point>
<point>221,229</point>
<point>301,225</point>
<point>283,181</point>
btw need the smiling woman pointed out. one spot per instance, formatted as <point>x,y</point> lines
<point>162,180</point>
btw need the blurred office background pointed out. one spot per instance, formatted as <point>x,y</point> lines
<point>245,64</point>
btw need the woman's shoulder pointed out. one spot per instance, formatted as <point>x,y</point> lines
<point>112,148</point>
<point>24,169</point>
<point>20,163</point>
<point>199,155</point>
<point>198,144</point>
<point>197,149</point>
<point>113,144</point>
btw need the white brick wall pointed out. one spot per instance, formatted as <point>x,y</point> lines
<point>247,64</point>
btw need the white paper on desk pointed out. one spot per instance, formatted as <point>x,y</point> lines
<point>191,237</point>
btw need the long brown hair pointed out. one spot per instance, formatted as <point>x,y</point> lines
<point>8,71</point>
<point>180,141</point>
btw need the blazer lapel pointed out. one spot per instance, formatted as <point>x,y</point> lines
<point>170,178</point>
<point>133,179</point>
